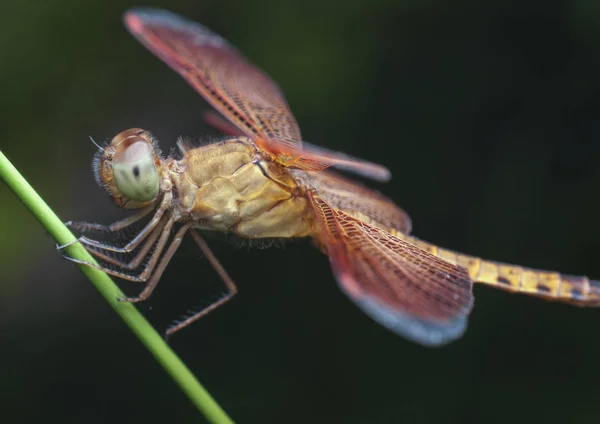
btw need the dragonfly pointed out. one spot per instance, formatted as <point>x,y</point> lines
<point>262,181</point>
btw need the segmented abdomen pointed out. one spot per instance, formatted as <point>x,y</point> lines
<point>578,290</point>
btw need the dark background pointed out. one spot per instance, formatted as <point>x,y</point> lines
<point>487,114</point>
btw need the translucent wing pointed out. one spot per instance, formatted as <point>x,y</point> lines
<point>346,162</point>
<point>356,200</point>
<point>406,289</point>
<point>236,88</point>
<point>319,154</point>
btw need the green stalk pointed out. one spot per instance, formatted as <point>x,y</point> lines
<point>132,317</point>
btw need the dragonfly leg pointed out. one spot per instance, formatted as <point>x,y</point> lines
<point>231,287</point>
<point>139,257</point>
<point>147,271</point>
<point>115,226</point>
<point>135,242</point>
<point>160,267</point>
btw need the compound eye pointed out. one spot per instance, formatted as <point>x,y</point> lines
<point>135,172</point>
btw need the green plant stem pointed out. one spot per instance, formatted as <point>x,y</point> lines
<point>132,317</point>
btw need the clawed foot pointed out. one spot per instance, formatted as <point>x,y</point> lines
<point>130,299</point>
<point>62,247</point>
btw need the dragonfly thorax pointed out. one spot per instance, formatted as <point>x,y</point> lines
<point>232,186</point>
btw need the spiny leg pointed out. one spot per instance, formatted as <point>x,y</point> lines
<point>135,242</point>
<point>115,226</point>
<point>165,204</point>
<point>231,287</point>
<point>160,268</point>
<point>139,257</point>
<point>143,276</point>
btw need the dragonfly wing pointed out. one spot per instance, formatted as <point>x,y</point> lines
<point>236,88</point>
<point>356,200</point>
<point>217,121</point>
<point>319,154</point>
<point>347,163</point>
<point>406,289</point>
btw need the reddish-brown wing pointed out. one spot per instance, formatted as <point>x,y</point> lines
<point>236,88</point>
<point>239,90</point>
<point>356,200</point>
<point>406,289</point>
<point>320,154</point>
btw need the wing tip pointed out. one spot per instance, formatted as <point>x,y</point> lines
<point>141,12</point>
<point>131,20</point>
<point>373,171</point>
<point>141,15</point>
<point>379,173</point>
<point>137,19</point>
<point>422,331</point>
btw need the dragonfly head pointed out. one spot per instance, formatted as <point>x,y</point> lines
<point>129,169</point>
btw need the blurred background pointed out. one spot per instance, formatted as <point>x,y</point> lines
<point>487,114</point>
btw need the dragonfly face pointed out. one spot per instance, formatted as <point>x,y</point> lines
<point>264,181</point>
<point>130,169</point>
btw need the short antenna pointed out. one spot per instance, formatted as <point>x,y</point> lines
<point>96,144</point>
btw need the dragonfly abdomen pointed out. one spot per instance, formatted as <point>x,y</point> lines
<point>578,290</point>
